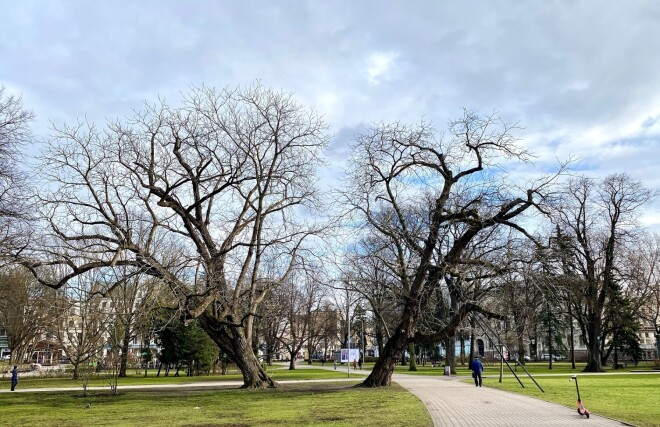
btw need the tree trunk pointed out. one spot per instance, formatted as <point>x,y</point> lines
<point>571,338</point>
<point>292,362</point>
<point>413,362</point>
<point>254,376</point>
<point>123,361</point>
<point>233,342</point>
<point>380,338</point>
<point>593,345</point>
<point>76,370</point>
<point>616,358</point>
<point>450,357</point>
<point>381,375</point>
<point>473,350</point>
<point>551,349</point>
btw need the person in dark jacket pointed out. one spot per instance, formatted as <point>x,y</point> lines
<point>14,377</point>
<point>477,368</point>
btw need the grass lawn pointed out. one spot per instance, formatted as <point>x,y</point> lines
<point>633,398</point>
<point>327,404</point>
<point>278,373</point>
<point>535,368</point>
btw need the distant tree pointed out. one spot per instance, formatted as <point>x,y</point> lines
<point>620,324</point>
<point>185,345</point>
<point>598,221</point>
<point>302,296</point>
<point>25,310</point>
<point>81,326</point>
<point>643,288</point>
<point>132,300</point>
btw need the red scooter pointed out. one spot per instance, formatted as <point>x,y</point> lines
<point>580,407</point>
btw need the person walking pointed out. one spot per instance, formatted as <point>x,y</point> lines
<point>477,369</point>
<point>14,378</point>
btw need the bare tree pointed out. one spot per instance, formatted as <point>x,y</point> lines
<point>643,262</point>
<point>303,297</point>
<point>131,305</point>
<point>24,310</point>
<point>598,220</point>
<point>219,182</point>
<point>14,133</point>
<point>82,320</point>
<point>410,188</point>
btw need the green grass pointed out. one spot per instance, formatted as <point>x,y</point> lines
<point>277,373</point>
<point>631,397</point>
<point>535,368</point>
<point>317,404</point>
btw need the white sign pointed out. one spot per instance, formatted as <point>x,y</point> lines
<point>348,356</point>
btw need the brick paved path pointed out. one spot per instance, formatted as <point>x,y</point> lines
<point>452,402</point>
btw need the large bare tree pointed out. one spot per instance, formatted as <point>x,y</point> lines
<point>210,197</point>
<point>412,189</point>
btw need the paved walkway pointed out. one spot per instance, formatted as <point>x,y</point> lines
<point>452,402</point>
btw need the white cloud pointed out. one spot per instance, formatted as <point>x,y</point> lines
<point>380,66</point>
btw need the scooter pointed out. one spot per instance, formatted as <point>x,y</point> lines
<point>580,407</point>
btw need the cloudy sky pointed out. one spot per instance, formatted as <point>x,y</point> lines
<point>582,77</point>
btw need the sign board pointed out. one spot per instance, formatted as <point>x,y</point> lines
<point>349,355</point>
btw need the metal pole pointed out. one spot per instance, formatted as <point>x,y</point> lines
<point>502,363</point>
<point>348,332</point>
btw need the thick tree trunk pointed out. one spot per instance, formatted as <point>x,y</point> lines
<point>381,374</point>
<point>450,360</point>
<point>593,345</point>
<point>254,376</point>
<point>292,362</point>
<point>232,341</point>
